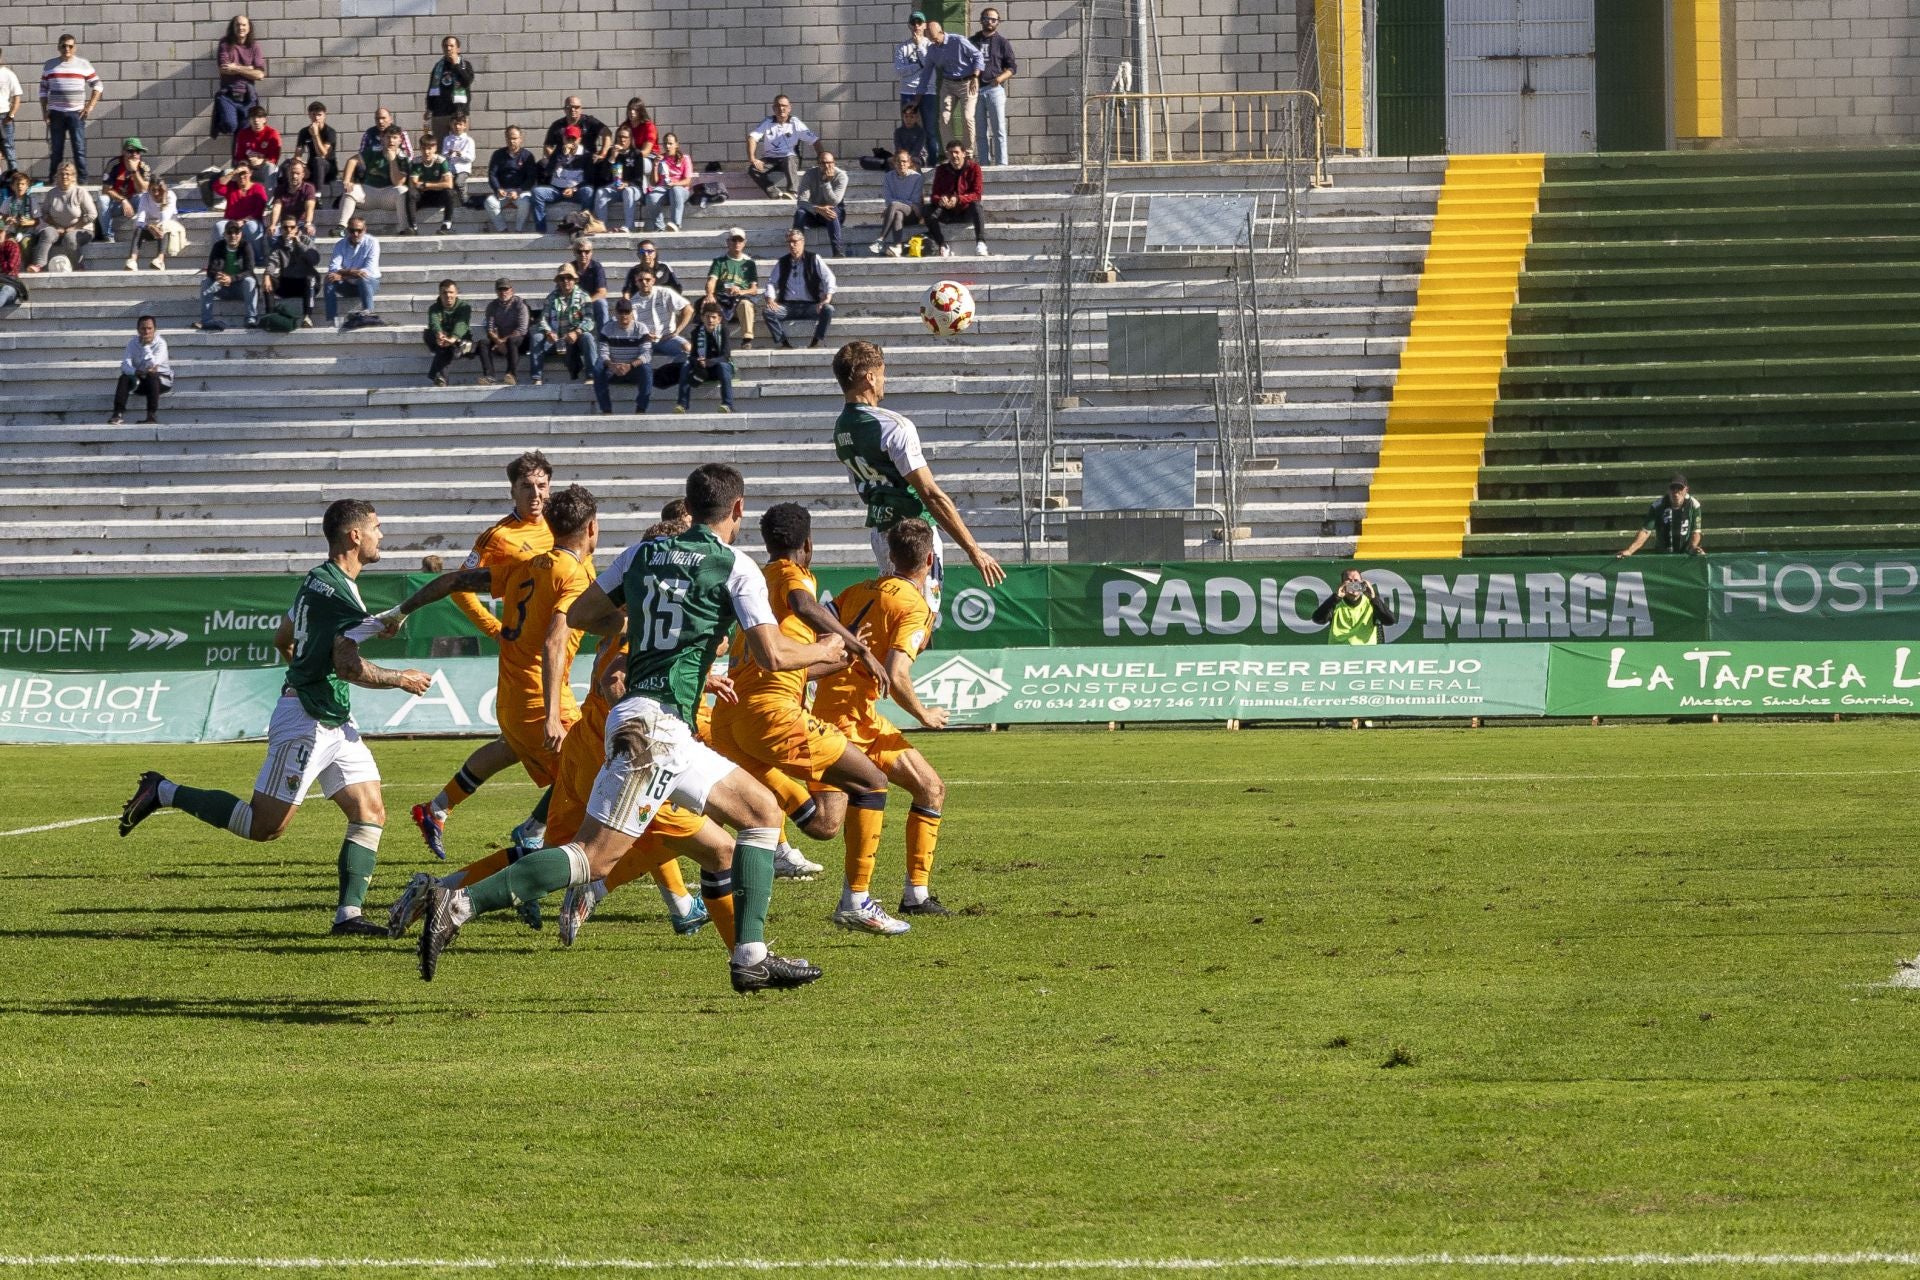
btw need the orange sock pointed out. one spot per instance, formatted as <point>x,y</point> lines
<point>667,876</point>
<point>923,833</point>
<point>866,814</point>
<point>462,785</point>
<point>716,890</point>
<point>474,872</point>
<point>645,857</point>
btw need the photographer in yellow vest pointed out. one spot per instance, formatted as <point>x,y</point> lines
<point>1355,613</point>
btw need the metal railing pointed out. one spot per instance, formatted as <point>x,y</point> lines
<point>1262,126</point>
<point>1273,226</point>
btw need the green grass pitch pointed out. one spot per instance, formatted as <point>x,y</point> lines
<point>1283,994</point>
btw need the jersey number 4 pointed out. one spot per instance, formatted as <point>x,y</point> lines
<point>663,615</point>
<point>300,631</point>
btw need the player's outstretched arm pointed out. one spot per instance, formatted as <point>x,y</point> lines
<point>824,621</point>
<point>947,516</point>
<point>439,589</point>
<point>900,667</point>
<point>775,651</point>
<point>593,611</point>
<point>350,665</point>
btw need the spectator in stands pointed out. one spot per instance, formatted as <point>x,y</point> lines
<point>319,146</point>
<point>650,261</point>
<point>1355,613</point>
<point>243,65</point>
<point>126,178</point>
<point>512,174</point>
<point>507,321</point>
<point>910,136</point>
<point>379,180</point>
<point>665,202</point>
<point>593,280</point>
<point>432,180</point>
<point>915,73</point>
<point>69,91</point>
<point>295,197</point>
<point>17,212</point>
<point>800,288</point>
<point>773,150</point>
<point>900,203</point>
<point>230,268</point>
<point>449,332</point>
<point>459,151</point>
<point>564,180</point>
<point>620,177</point>
<point>258,146</point>
<point>449,88</point>
<point>1672,523</point>
<point>246,203</point>
<point>293,266</point>
<point>733,280</point>
<point>157,220</point>
<point>143,368</point>
<point>956,65</point>
<point>566,326</point>
<point>821,201</point>
<point>639,121</point>
<point>664,313</point>
<point>65,220</point>
<point>13,290</point>
<point>626,355</point>
<point>708,359</point>
<point>594,135</point>
<point>997,66</point>
<point>375,137</point>
<point>355,267</point>
<point>955,197</point>
<point>10,95</point>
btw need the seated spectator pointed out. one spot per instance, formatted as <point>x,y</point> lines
<point>566,326</point>
<point>354,267</point>
<point>564,179</point>
<point>899,203</point>
<point>594,135</point>
<point>378,180</point>
<point>143,368</point>
<point>910,135</point>
<point>319,146</point>
<point>708,359</point>
<point>955,198</point>
<point>800,288</point>
<point>383,124</point>
<point>13,290</point>
<point>733,280</point>
<point>294,196</point>
<point>458,148</point>
<point>664,313</point>
<point>127,176</point>
<point>449,333</point>
<point>773,150</point>
<point>258,146</point>
<point>650,261</point>
<point>293,267</point>
<point>157,220</point>
<point>593,280</point>
<point>246,203</point>
<point>230,268</point>
<point>505,337</point>
<point>512,174</point>
<point>432,181</point>
<point>621,178</point>
<point>18,215</point>
<point>449,88</point>
<point>639,122</point>
<point>64,220</point>
<point>822,201</point>
<point>243,65</point>
<point>626,355</point>
<point>665,204</point>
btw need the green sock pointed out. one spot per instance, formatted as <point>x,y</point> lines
<point>752,887</point>
<point>528,880</point>
<point>539,813</point>
<point>215,808</point>
<point>356,873</point>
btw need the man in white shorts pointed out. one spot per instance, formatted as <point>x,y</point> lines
<point>312,737</point>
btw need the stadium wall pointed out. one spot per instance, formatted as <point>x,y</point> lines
<point>1823,70</point>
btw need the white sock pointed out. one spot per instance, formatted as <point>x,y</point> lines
<point>439,805</point>
<point>682,904</point>
<point>750,953</point>
<point>165,791</point>
<point>345,913</point>
<point>786,850</point>
<point>462,906</point>
<point>914,893</point>
<point>849,900</point>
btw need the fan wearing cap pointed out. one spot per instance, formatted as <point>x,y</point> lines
<point>566,326</point>
<point>564,178</point>
<point>915,73</point>
<point>127,179</point>
<point>1673,523</point>
<point>732,281</point>
<point>503,333</point>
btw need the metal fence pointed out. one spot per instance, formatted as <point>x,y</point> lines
<point>1267,126</point>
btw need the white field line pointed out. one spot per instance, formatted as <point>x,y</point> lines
<point>78,822</point>
<point>1506,1261</point>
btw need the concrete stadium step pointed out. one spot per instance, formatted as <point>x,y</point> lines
<point>1765,537</point>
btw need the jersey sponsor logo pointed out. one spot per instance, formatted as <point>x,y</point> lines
<point>959,685</point>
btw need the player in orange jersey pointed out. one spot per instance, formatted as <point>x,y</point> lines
<point>891,617</point>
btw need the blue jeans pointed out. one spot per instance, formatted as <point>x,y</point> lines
<point>629,198</point>
<point>582,357</point>
<point>640,375</point>
<point>992,126</point>
<point>544,196</point>
<point>62,127</point>
<point>6,141</point>
<point>109,211</point>
<point>246,289</point>
<point>777,317</point>
<point>930,126</point>
<point>662,207</point>
<point>807,220</point>
<point>364,287</point>
<point>720,370</point>
<point>8,296</point>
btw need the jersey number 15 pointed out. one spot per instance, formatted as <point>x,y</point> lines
<point>662,616</point>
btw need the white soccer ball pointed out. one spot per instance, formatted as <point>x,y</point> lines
<point>948,308</point>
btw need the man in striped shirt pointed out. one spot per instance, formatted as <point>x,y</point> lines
<point>69,91</point>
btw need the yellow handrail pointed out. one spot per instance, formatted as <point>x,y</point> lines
<point>1254,126</point>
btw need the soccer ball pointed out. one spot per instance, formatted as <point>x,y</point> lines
<point>948,308</point>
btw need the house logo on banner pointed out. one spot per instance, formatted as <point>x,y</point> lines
<point>959,686</point>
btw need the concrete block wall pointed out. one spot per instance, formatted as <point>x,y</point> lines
<point>1824,70</point>
<point>707,71</point>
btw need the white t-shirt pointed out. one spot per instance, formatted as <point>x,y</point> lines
<point>9,89</point>
<point>777,141</point>
<point>458,149</point>
<point>655,311</point>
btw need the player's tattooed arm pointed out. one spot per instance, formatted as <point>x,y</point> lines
<point>350,665</point>
<point>807,607</point>
<point>443,586</point>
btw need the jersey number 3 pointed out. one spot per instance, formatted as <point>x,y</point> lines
<point>663,615</point>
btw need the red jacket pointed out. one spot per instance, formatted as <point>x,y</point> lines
<point>265,140</point>
<point>9,256</point>
<point>251,205</point>
<point>962,183</point>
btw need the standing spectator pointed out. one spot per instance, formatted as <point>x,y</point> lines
<point>646,134</point>
<point>733,279</point>
<point>293,265</point>
<point>957,65</point>
<point>671,185</point>
<point>512,174</point>
<point>593,279</point>
<point>621,176</point>
<point>997,66</point>
<point>230,268</point>
<point>449,87</point>
<point>956,198</point>
<point>565,180</point>
<point>665,315</point>
<point>432,181</point>
<point>126,178</point>
<point>258,145</point>
<point>379,180</point>
<point>821,200</point>
<point>506,333</point>
<point>915,72</point>
<point>626,355</point>
<point>801,288</point>
<point>319,146</point>
<point>900,203</point>
<point>243,65</point>
<point>10,94</point>
<point>69,91</point>
<point>708,359</point>
<point>295,197</point>
<point>449,332</point>
<point>17,216</point>
<point>1673,523</point>
<point>650,261</point>
<point>246,203</point>
<point>594,135</point>
<point>1355,613</point>
<point>910,136</point>
<point>355,266</point>
<point>13,289</point>
<point>65,225</point>
<point>383,124</point>
<point>566,326</point>
<point>157,219</point>
<point>457,147</point>
<point>773,150</point>
<point>143,368</point>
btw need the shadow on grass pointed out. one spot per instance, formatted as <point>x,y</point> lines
<point>203,909</point>
<point>220,1008</point>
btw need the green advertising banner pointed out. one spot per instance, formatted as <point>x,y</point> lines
<point>1863,595</point>
<point>1733,678</point>
<point>1013,615</point>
